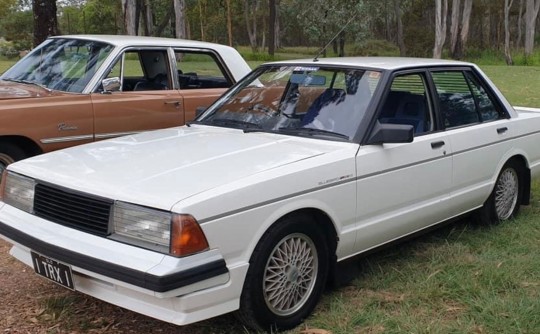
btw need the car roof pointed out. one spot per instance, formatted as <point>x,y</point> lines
<point>125,40</point>
<point>383,63</point>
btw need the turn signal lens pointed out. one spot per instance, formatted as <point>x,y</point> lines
<point>187,236</point>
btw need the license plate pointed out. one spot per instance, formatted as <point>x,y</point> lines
<point>53,270</point>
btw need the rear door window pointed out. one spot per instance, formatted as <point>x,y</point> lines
<point>463,100</point>
<point>200,70</point>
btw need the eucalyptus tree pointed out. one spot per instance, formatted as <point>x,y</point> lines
<point>441,11</point>
<point>531,13</point>
<point>459,29</point>
<point>323,19</point>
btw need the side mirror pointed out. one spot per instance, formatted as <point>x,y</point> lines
<point>391,133</point>
<point>111,85</point>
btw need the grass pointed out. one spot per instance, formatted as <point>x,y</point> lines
<point>459,279</point>
<point>520,84</point>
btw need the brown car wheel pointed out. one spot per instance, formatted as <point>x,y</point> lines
<point>9,153</point>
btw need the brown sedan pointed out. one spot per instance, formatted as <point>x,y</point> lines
<point>73,90</point>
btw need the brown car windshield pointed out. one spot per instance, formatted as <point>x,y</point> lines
<point>60,64</point>
<point>313,101</point>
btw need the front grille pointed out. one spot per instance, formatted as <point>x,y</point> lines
<point>76,210</point>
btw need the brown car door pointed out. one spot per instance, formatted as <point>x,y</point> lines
<point>123,113</point>
<point>147,98</point>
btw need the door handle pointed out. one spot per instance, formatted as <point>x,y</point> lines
<point>502,130</point>
<point>175,103</point>
<point>437,144</point>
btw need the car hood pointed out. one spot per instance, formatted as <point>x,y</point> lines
<point>161,168</point>
<point>12,90</point>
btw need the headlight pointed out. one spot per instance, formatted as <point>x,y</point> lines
<point>18,191</point>
<point>178,235</point>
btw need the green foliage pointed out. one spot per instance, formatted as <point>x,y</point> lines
<point>7,49</point>
<point>418,36</point>
<point>100,17</point>
<point>322,19</point>
<point>18,27</point>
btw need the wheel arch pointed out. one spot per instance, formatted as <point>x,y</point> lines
<point>526,176</point>
<point>26,144</point>
<point>328,227</point>
<point>323,220</point>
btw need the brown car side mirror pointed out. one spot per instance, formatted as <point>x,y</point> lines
<point>111,85</point>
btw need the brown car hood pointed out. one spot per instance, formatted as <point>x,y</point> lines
<point>12,90</point>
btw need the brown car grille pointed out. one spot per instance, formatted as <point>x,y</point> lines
<point>76,210</point>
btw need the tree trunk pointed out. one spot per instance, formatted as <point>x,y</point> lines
<point>399,24</point>
<point>138,10</point>
<point>229,22</point>
<point>45,21</point>
<point>201,19</point>
<point>519,24</point>
<point>164,23</point>
<point>272,27</point>
<point>341,52</point>
<point>251,25</point>
<point>441,11</point>
<point>454,27</point>
<point>149,18</point>
<point>180,18</point>
<point>531,12</point>
<point>465,20</point>
<point>277,29</point>
<point>129,10</point>
<point>507,54</point>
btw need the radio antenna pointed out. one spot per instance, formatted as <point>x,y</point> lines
<point>321,51</point>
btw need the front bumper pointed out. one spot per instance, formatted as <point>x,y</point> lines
<point>177,290</point>
<point>157,283</point>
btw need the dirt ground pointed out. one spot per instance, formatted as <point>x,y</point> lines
<point>31,304</point>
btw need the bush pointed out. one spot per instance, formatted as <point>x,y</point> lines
<point>7,49</point>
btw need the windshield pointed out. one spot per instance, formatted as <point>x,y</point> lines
<point>60,64</point>
<point>298,100</point>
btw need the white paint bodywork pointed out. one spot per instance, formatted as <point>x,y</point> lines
<point>238,184</point>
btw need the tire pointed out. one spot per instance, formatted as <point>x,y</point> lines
<point>9,153</point>
<point>505,200</point>
<point>286,277</point>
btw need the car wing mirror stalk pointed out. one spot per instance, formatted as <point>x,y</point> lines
<point>111,85</point>
<point>391,133</point>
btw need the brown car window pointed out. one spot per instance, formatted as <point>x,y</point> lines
<point>142,70</point>
<point>199,70</point>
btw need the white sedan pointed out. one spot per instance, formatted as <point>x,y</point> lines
<point>301,165</point>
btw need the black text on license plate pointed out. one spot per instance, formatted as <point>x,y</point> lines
<point>53,270</point>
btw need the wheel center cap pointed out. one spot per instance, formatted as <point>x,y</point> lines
<point>292,276</point>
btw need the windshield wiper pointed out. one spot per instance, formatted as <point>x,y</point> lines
<point>231,123</point>
<point>312,132</point>
<point>28,83</point>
